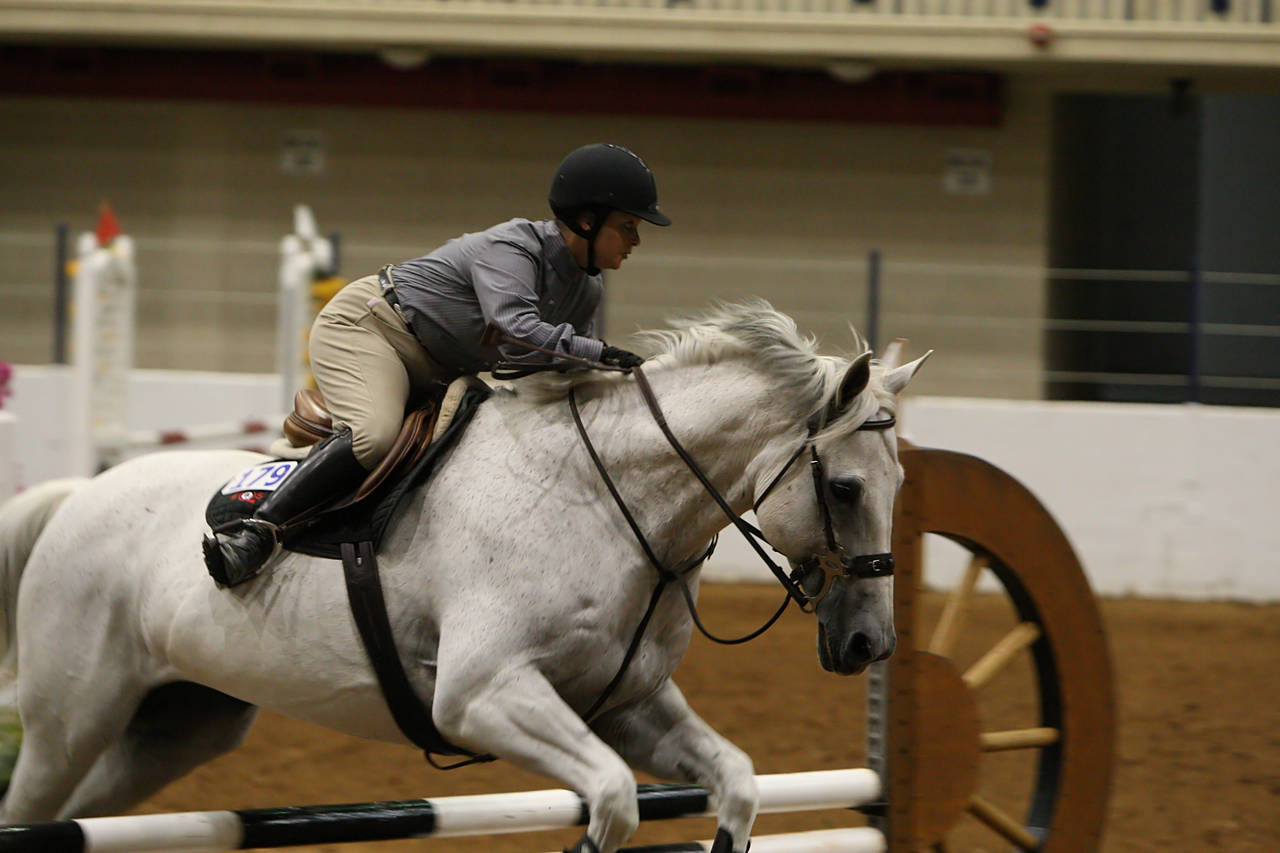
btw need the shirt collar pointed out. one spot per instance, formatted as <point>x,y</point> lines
<point>558,253</point>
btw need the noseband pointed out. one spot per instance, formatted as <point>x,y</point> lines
<point>837,562</point>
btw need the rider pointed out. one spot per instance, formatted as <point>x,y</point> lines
<point>389,339</point>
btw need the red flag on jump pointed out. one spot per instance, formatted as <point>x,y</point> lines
<point>108,227</point>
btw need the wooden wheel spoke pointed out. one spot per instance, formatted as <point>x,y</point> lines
<point>953,612</point>
<point>938,755</point>
<point>1001,654</point>
<point>1002,824</point>
<point>1019,739</point>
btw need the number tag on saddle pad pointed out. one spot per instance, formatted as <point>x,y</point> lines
<point>243,492</point>
<point>260,478</point>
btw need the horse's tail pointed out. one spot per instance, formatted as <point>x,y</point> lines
<point>22,519</point>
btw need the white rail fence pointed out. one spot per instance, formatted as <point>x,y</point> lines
<point>482,814</point>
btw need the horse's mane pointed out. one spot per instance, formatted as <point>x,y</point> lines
<point>753,330</point>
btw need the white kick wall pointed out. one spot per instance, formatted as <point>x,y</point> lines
<point>8,455</point>
<point>43,403</point>
<point>1158,501</point>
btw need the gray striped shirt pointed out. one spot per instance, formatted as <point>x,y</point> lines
<point>518,275</point>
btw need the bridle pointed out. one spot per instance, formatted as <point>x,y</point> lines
<point>836,563</point>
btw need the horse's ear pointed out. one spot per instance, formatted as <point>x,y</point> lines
<point>895,380</point>
<point>855,380</point>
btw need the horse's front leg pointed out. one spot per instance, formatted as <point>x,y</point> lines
<point>516,714</point>
<point>663,736</point>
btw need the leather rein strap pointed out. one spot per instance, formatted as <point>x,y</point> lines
<point>665,575</point>
<point>836,564</point>
<point>749,531</point>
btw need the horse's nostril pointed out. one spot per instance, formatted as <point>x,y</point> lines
<point>860,647</point>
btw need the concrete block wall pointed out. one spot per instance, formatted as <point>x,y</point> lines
<point>783,210</point>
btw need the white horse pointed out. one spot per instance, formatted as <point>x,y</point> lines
<point>513,585</point>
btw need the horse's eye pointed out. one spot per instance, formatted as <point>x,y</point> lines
<point>847,491</point>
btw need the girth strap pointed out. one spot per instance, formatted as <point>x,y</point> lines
<point>368,606</point>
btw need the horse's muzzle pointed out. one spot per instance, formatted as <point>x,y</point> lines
<point>855,653</point>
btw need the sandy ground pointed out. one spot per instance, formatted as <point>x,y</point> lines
<point>1197,762</point>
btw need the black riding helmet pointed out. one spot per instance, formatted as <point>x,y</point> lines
<point>598,179</point>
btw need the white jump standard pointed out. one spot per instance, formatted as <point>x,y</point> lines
<point>483,814</point>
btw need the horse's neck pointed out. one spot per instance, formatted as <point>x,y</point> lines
<point>724,415</point>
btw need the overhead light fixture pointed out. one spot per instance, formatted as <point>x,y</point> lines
<point>404,58</point>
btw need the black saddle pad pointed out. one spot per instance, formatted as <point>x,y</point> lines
<point>322,535</point>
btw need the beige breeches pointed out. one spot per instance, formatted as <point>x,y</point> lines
<point>368,366</point>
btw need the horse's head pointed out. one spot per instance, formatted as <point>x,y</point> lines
<point>830,511</point>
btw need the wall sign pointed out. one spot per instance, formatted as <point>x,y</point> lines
<point>302,153</point>
<point>967,171</point>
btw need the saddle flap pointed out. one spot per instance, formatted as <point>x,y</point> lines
<point>410,444</point>
<point>311,422</point>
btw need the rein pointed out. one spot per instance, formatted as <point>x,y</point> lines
<point>749,531</point>
<point>862,566</point>
<point>835,564</point>
<point>665,575</point>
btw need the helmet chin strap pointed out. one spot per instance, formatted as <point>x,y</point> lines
<point>600,214</point>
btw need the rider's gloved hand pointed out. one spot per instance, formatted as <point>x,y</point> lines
<point>615,357</point>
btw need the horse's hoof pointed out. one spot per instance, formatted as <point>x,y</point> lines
<point>584,845</point>
<point>724,842</point>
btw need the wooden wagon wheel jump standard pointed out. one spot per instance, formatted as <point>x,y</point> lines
<point>927,738</point>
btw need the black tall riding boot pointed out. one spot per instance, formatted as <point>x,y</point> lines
<point>327,473</point>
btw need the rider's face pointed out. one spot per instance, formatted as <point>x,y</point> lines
<point>620,234</point>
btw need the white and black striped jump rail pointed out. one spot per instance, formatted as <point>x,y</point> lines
<point>482,814</point>
<point>860,839</point>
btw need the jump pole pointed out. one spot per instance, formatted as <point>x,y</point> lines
<point>857,839</point>
<point>483,814</point>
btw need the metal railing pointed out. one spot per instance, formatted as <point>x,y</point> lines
<point>373,11</point>
<point>1159,11</point>
<point>993,324</point>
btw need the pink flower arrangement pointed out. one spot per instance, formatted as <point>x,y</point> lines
<point>6,373</point>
